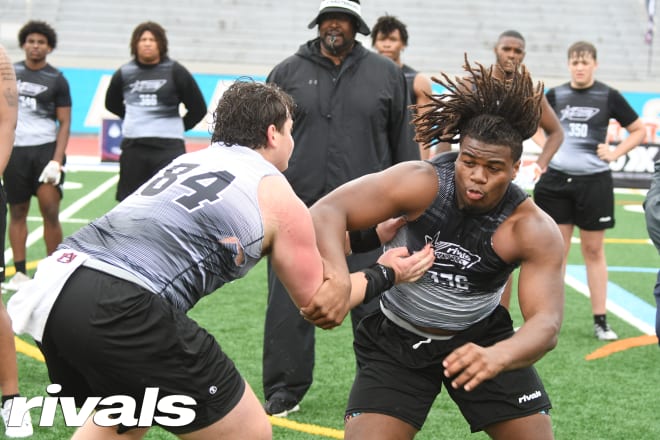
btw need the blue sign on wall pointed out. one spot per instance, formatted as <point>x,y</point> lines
<point>88,87</point>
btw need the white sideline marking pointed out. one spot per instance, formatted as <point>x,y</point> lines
<point>618,309</point>
<point>36,219</point>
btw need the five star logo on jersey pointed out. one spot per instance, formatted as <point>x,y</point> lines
<point>30,89</point>
<point>578,114</point>
<point>147,86</point>
<point>450,254</point>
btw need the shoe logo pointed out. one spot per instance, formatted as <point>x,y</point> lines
<point>67,257</point>
<point>529,397</point>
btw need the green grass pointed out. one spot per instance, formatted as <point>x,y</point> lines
<point>610,398</point>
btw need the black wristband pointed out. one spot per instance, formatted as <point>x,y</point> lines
<point>379,279</point>
<point>364,241</point>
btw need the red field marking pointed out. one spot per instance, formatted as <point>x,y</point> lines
<point>623,344</point>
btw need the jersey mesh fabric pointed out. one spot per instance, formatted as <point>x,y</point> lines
<point>184,232</point>
<point>466,281</point>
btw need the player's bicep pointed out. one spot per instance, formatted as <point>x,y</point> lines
<point>403,189</point>
<point>294,254</point>
<point>541,281</point>
<point>423,89</point>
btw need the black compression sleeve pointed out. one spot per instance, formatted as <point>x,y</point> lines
<point>379,279</point>
<point>364,241</point>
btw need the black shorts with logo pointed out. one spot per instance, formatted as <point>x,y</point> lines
<point>25,165</point>
<point>106,336</point>
<point>584,201</point>
<point>401,381</point>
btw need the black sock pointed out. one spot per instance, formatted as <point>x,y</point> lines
<point>6,398</point>
<point>20,266</point>
<point>600,320</point>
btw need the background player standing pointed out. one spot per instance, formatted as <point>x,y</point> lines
<point>146,93</point>
<point>42,134</point>
<point>577,189</point>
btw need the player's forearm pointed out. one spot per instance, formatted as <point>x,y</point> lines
<point>551,145</point>
<point>530,343</point>
<point>632,141</point>
<point>61,142</point>
<point>358,287</point>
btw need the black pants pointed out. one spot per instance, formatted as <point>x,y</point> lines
<point>288,356</point>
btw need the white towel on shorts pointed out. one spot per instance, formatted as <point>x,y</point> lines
<point>30,307</point>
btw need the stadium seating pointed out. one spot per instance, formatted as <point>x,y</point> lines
<point>250,36</point>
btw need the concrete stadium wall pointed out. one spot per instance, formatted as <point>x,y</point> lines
<point>250,36</point>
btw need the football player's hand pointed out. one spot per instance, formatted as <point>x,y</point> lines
<point>470,365</point>
<point>606,152</point>
<point>408,268</point>
<point>528,175</point>
<point>330,304</point>
<point>52,173</point>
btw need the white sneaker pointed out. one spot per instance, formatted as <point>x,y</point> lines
<point>15,282</point>
<point>605,333</point>
<point>20,431</point>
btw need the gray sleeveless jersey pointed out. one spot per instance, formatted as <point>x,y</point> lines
<point>152,102</point>
<point>182,232</point>
<point>467,278</point>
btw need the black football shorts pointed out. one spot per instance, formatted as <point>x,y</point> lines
<point>106,336</point>
<point>584,201</point>
<point>400,374</point>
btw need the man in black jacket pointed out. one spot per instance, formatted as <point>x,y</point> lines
<point>352,119</point>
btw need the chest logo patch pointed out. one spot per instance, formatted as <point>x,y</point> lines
<point>451,254</point>
<point>30,89</point>
<point>578,114</point>
<point>147,86</point>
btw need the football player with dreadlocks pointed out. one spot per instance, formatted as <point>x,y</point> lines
<point>448,328</point>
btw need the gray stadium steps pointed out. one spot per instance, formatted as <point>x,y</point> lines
<point>221,36</point>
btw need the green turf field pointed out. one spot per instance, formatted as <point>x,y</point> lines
<point>611,397</point>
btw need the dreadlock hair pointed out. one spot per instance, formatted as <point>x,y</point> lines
<point>482,107</point>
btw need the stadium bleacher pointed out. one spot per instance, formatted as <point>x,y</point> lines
<point>250,36</point>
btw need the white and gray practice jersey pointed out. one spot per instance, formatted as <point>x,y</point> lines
<point>190,229</point>
<point>40,93</point>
